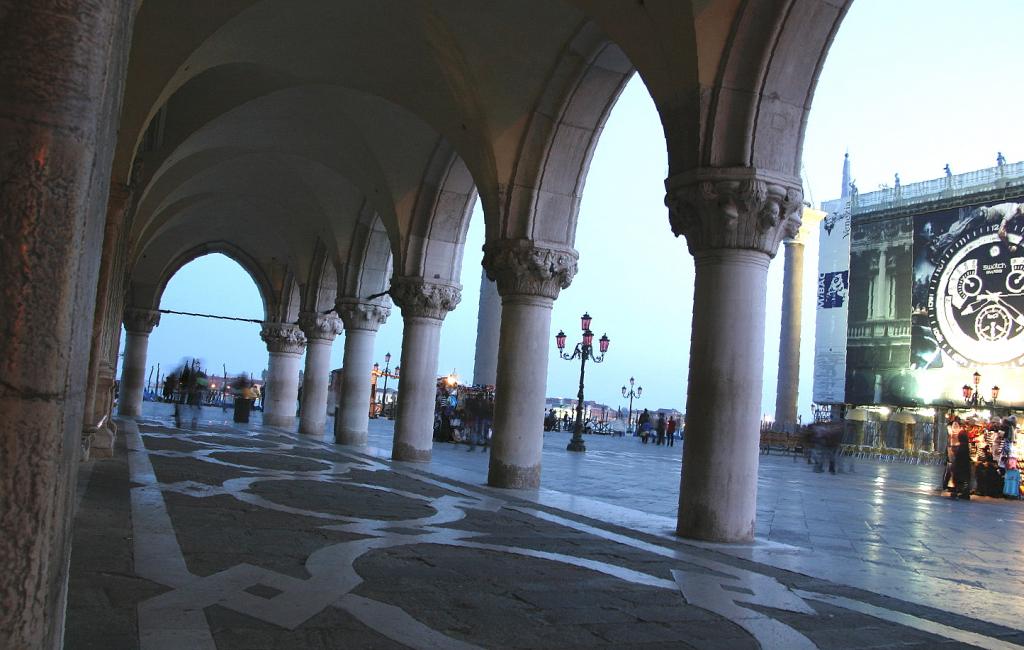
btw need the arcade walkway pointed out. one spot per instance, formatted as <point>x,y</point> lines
<point>224,537</point>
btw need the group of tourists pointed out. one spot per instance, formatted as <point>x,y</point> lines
<point>554,422</point>
<point>982,458</point>
<point>464,414</point>
<point>661,431</point>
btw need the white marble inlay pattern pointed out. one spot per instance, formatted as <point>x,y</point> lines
<point>169,619</point>
<point>709,592</point>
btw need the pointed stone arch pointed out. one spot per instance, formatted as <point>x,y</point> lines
<point>757,108</point>
<point>541,201</point>
<point>443,206</point>
<point>320,288</point>
<point>147,283</point>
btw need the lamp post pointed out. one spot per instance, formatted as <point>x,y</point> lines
<point>584,350</point>
<point>386,373</point>
<point>972,394</point>
<point>631,393</point>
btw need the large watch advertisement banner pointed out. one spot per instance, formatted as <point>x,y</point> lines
<point>968,302</point>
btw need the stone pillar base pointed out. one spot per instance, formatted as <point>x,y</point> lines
<point>350,437</point>
<point>281,421</point>
<point>511,476</point>
<point>408,453</point>
<point>103,439</point>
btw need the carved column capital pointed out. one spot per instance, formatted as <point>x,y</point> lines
<point>283,337</point>
<point>734,207</point>
<point>359,315</point>
<point>521,267</point>
<point>325,327</point>
<point>420,298</point>
<point>140,321</point>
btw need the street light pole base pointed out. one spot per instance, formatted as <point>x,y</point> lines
<point>576,445</point>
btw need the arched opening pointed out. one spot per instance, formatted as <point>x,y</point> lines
<point>217,285</point>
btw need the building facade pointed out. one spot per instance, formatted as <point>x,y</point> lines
<point>928,279</point>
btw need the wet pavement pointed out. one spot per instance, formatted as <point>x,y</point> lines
<point>890,514</point>
<point>229,537</point>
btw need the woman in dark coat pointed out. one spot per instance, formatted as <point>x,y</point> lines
<point>643,425</point>
<point>962,468</point>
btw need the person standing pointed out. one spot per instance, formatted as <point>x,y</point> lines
<point>643,425</point>
<point>471,420</point>
<point>486,418</point>
<point>659,428</point>
<point>670,432</point>
<point>962,468</point>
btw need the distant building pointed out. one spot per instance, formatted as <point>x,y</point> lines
<point>921,286</point>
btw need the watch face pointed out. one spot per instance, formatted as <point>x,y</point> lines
<point>976,299</point>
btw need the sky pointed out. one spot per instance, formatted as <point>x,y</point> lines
<point>907,87</point>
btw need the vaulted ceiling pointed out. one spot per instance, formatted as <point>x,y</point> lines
<point>276,124</point>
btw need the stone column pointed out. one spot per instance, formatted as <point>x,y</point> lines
<point>529,278</point>
<point>488,328</point>
<point>424,306</point>
<point>97,430</point>
<point>285,343</point>
<point>138,325</point>
<point>787,388</point>
<point>733,220</point>
<point>320,331</point>
<point>62,77</point>
<point>362,320</point>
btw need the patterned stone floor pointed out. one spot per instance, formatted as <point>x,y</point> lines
<point>883,516</point>
<point>221,537</point>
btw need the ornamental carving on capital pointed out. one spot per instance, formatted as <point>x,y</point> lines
<point>423,299</point>
<point>521,267</point>
<point>283,337</point>
<point>359,315</point>
<point>140,321</point>
<point>325,327</point>
<point>738,207</point>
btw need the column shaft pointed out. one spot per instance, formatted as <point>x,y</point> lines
<point>414,423</point>
<point>133,373</point>
<point>485,364</point>
<point>519,408</point>
<point>718,490</point>
<point>314,386</point>
<point>787,388</point>
<point>354,410</point>
<point>105,317</point>
<point>529,278</point>
<point>283,389</point>
<point>62,77</point>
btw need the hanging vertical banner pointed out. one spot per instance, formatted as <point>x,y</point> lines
<point>832,311</point>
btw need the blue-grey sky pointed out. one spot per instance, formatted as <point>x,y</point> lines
<point>907,87</point>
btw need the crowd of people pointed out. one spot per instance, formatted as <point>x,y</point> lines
<point>464,414</point>
<point>552,422</point>
<point>659,430</point>
<point>982,458</point>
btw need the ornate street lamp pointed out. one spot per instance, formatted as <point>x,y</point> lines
<point>972,394</point>
<point>631,394</point>
<point>584,350</point>
<point>969,397</point>
<point>386,374</point>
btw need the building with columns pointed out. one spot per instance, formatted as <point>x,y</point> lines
<point>919,288</point>
<point>334,149</point>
